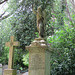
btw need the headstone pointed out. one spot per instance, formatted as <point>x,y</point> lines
<point>0,69</point>
<point>11,44</point>
<point>39,58</point>
<point>4,67</point>
<point>18,72</point>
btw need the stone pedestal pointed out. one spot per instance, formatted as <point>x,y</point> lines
<point>39,58</point>
<point>10,72</point>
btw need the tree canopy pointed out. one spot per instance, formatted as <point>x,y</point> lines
<point>18,19</point>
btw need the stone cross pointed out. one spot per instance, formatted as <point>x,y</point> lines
<point>11,45</point>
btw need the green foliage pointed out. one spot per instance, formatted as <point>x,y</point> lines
<point>18,56</point>
<point>5,33</point>
<point>62,58</point>
<point>26,59</point>
<point>5,55</point>
<point>37,34</point>
<point>22,24</point>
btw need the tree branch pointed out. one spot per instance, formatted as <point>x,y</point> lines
<point>73,4</point>
<point>3,1</point>
<point>2,14</point>
<point>4,17</point>
<point>68,12</point>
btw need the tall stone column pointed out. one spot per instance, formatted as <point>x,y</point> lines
<point>39,57</point>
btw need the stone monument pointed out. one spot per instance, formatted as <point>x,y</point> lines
<point>39,54</point>
<point>4,67</point>
<point>11,44</point>
<point>39,57</point>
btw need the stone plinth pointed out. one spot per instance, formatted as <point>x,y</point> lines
<point>39,58</point>
<point>10,72</point>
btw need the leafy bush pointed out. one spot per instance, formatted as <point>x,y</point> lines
<point>26,59</point>
<point>62,58</point>
<point>5,55</point>
<point>18,56</point>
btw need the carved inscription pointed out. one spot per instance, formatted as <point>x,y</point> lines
<point>36,62</point>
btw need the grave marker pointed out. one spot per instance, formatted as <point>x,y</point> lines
<point>0,69</point>
<point>39,57</point>
<point>3,68</point>
<point>11,45</point>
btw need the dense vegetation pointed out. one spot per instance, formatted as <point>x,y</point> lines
<point>18,19</point>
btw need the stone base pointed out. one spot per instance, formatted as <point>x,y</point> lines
<point>10,72</point>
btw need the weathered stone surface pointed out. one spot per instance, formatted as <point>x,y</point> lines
<point>18,72</point>
<point>39,58</point>
<point>4,67</point>
<point>11,45</point>
<point>10,72</point>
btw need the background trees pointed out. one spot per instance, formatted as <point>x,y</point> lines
<point>18,19</point>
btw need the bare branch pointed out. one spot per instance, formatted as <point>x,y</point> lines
<point>4,17</point>
<point>2,14</point>
<point>68,12</point>
<point>3,1</point>
<point>73,4</point>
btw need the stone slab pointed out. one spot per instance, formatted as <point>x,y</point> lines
<point>4,67</point>
<point>18,72</point>
<point>10,72</point>
<point>0,69</point>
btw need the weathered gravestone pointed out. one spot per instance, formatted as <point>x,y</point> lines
<point>0,69</point>
<point>11,44</point>
<point>18,72</point>
<point>3,68</point>
<point>39,58</point>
